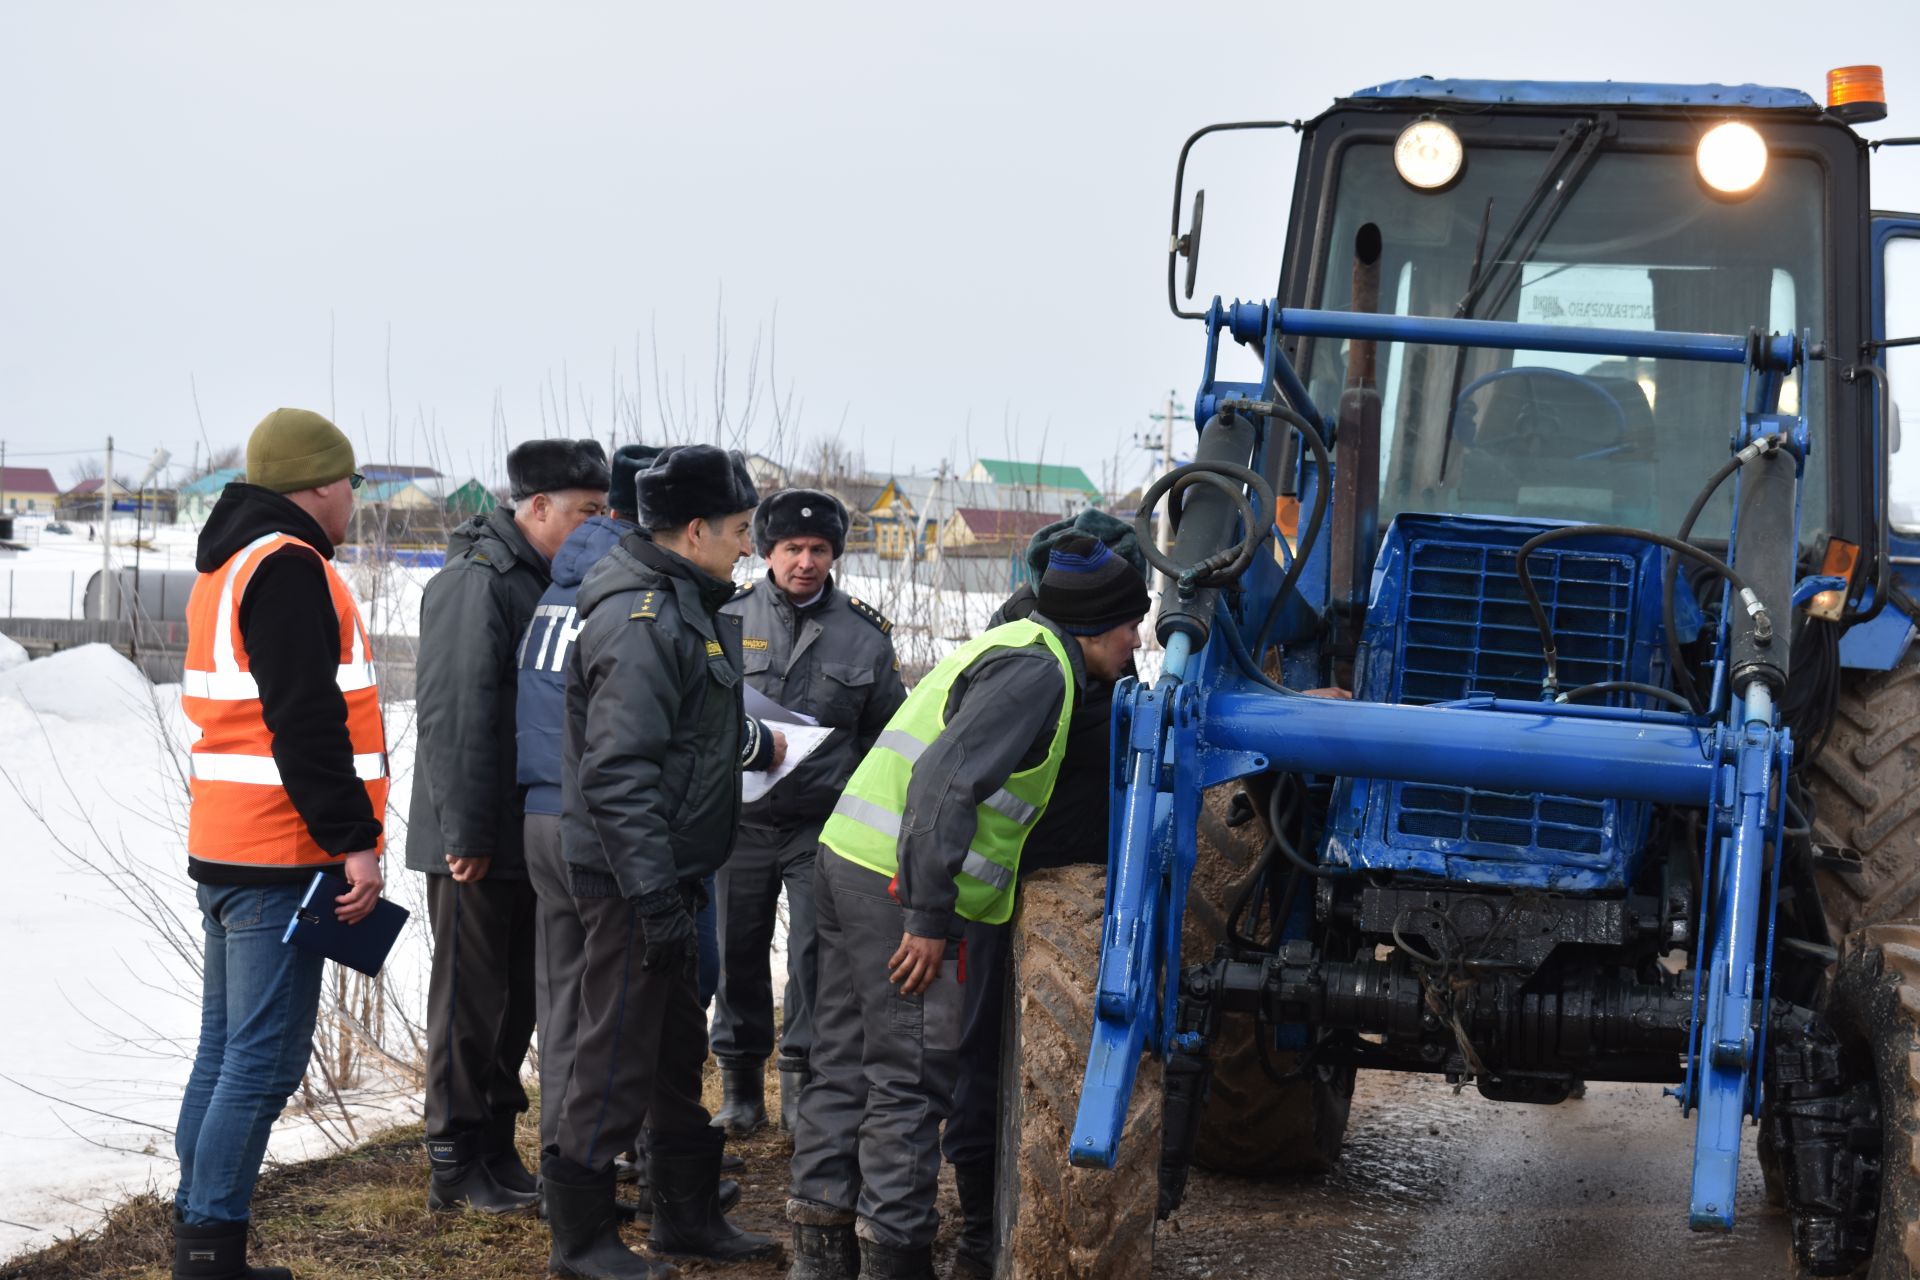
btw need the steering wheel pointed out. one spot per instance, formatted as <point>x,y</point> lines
<point>1570,413</point>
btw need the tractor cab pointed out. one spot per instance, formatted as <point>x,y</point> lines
<point>1700,209</point>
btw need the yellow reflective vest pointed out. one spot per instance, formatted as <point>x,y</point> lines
<point>865,826</point>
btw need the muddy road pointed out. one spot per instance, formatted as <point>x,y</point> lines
<point>1438,1187</point>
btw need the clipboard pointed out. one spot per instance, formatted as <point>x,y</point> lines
<point>363,946</point>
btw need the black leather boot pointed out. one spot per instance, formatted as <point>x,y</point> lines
<point>586,1227</point>
<point>743,1097</point>
<point>973,1254</point>
<point>684,1171</point>
<point>461,1180</point>
<point>503,1157</point>
<point>217,1251</point>
<point>794,1075</point>
<point>883,1262</point>
<point>824,1246</point>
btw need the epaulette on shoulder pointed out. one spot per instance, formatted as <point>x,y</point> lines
<point>648,607</point>
<point>741,593</point>
<point>870,613</point>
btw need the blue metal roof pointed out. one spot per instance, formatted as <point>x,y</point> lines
<point>1612,93</point>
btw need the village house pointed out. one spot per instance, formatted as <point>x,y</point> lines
<point>27,489</point>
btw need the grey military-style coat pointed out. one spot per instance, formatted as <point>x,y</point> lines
<point>832,659</point>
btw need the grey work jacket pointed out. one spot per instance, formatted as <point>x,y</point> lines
<point>831,659</point>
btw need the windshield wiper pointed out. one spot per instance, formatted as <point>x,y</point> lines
<point>1581,140</point>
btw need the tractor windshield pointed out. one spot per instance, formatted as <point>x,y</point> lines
<point>1638,243</point>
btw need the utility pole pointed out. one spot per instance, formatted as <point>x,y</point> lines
<point>1163,531</point>
<point>108,596</point>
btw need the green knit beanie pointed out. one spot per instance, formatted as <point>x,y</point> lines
<point>296,449</point>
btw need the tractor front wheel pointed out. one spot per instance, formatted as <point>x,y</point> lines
<point>1253,1124</point>
<point>1054,1219</point>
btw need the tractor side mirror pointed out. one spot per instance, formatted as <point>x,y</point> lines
<point>1188,245</point>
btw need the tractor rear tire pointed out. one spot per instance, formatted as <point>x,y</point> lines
<point>1252,1125</point>
<point>1053,1219</point>
<point>1873,1005</point>
<point>1866,794</point>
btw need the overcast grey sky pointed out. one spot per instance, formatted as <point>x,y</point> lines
<point>959,215</point>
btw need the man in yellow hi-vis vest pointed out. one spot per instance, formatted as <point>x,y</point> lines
<point>927,835</point>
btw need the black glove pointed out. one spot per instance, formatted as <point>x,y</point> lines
<point>666,926</point>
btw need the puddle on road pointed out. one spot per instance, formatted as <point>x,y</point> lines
<point>1437,1186</point>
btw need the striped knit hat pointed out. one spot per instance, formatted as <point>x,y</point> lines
<point>1088,589</point>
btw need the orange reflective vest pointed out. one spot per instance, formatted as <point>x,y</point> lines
<point>241,814</point>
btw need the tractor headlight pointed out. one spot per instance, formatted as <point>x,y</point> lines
<point>1428,154</point>
<point>1732,158</point>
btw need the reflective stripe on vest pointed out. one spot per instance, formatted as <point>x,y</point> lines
<point>866,823</point>
<point>241,812</point>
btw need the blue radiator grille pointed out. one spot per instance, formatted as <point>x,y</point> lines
<point>1468,630</point>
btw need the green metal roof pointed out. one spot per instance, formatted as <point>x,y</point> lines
<point>1047,475</point>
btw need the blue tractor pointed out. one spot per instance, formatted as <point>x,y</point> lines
<point>1567,461</point>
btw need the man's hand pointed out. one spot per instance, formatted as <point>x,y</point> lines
<point>916,964</point>
<point>779,748</point>
<point>666,929</point>
<point>469,870</point>
<point>363,873</point>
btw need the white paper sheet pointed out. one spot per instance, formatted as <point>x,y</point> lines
<point>802,741</point>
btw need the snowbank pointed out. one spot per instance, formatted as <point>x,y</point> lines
<point>99,932</point>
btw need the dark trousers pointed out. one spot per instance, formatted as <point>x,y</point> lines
<point>641,1042</point>
<point>763,861</point>
<point>560,939</point>
<point>973,1130</point>
<point>883,1066</point>
<point>480,1001</point>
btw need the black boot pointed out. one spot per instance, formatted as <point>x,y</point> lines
<point>743,1097</point>
<point>503,1157</point>
<point>586,1227</point>
<point>794,1075</point>
<point>640,1208</point>
<point>883,1262</point>
<point>684,1171</point>
<point>973,1255</point>
<point>461,1181</point>
<point>217,1251</point>
<point>824,1246</point>
<point>731,1163</point>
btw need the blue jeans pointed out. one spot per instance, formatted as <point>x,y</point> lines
<point>706,933</point>
<point>258,1005</point>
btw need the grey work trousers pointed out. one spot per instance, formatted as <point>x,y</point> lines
<point>883,1066</point>
<point>480,1002</point>
<point>641,1042</point>
<point>560,940</point>
<point>764,860</point>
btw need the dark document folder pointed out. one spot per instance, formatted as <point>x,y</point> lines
<point>362,946</point>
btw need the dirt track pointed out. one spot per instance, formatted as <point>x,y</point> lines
<point>1434,1187</point>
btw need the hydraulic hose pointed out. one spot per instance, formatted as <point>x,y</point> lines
<point>1223,566</point>
<point>1762,620</point>
<point>1667,696</point>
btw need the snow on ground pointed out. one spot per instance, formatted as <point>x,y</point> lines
<point>102,1004</point>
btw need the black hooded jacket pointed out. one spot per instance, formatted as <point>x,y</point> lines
<point>292,637</point>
